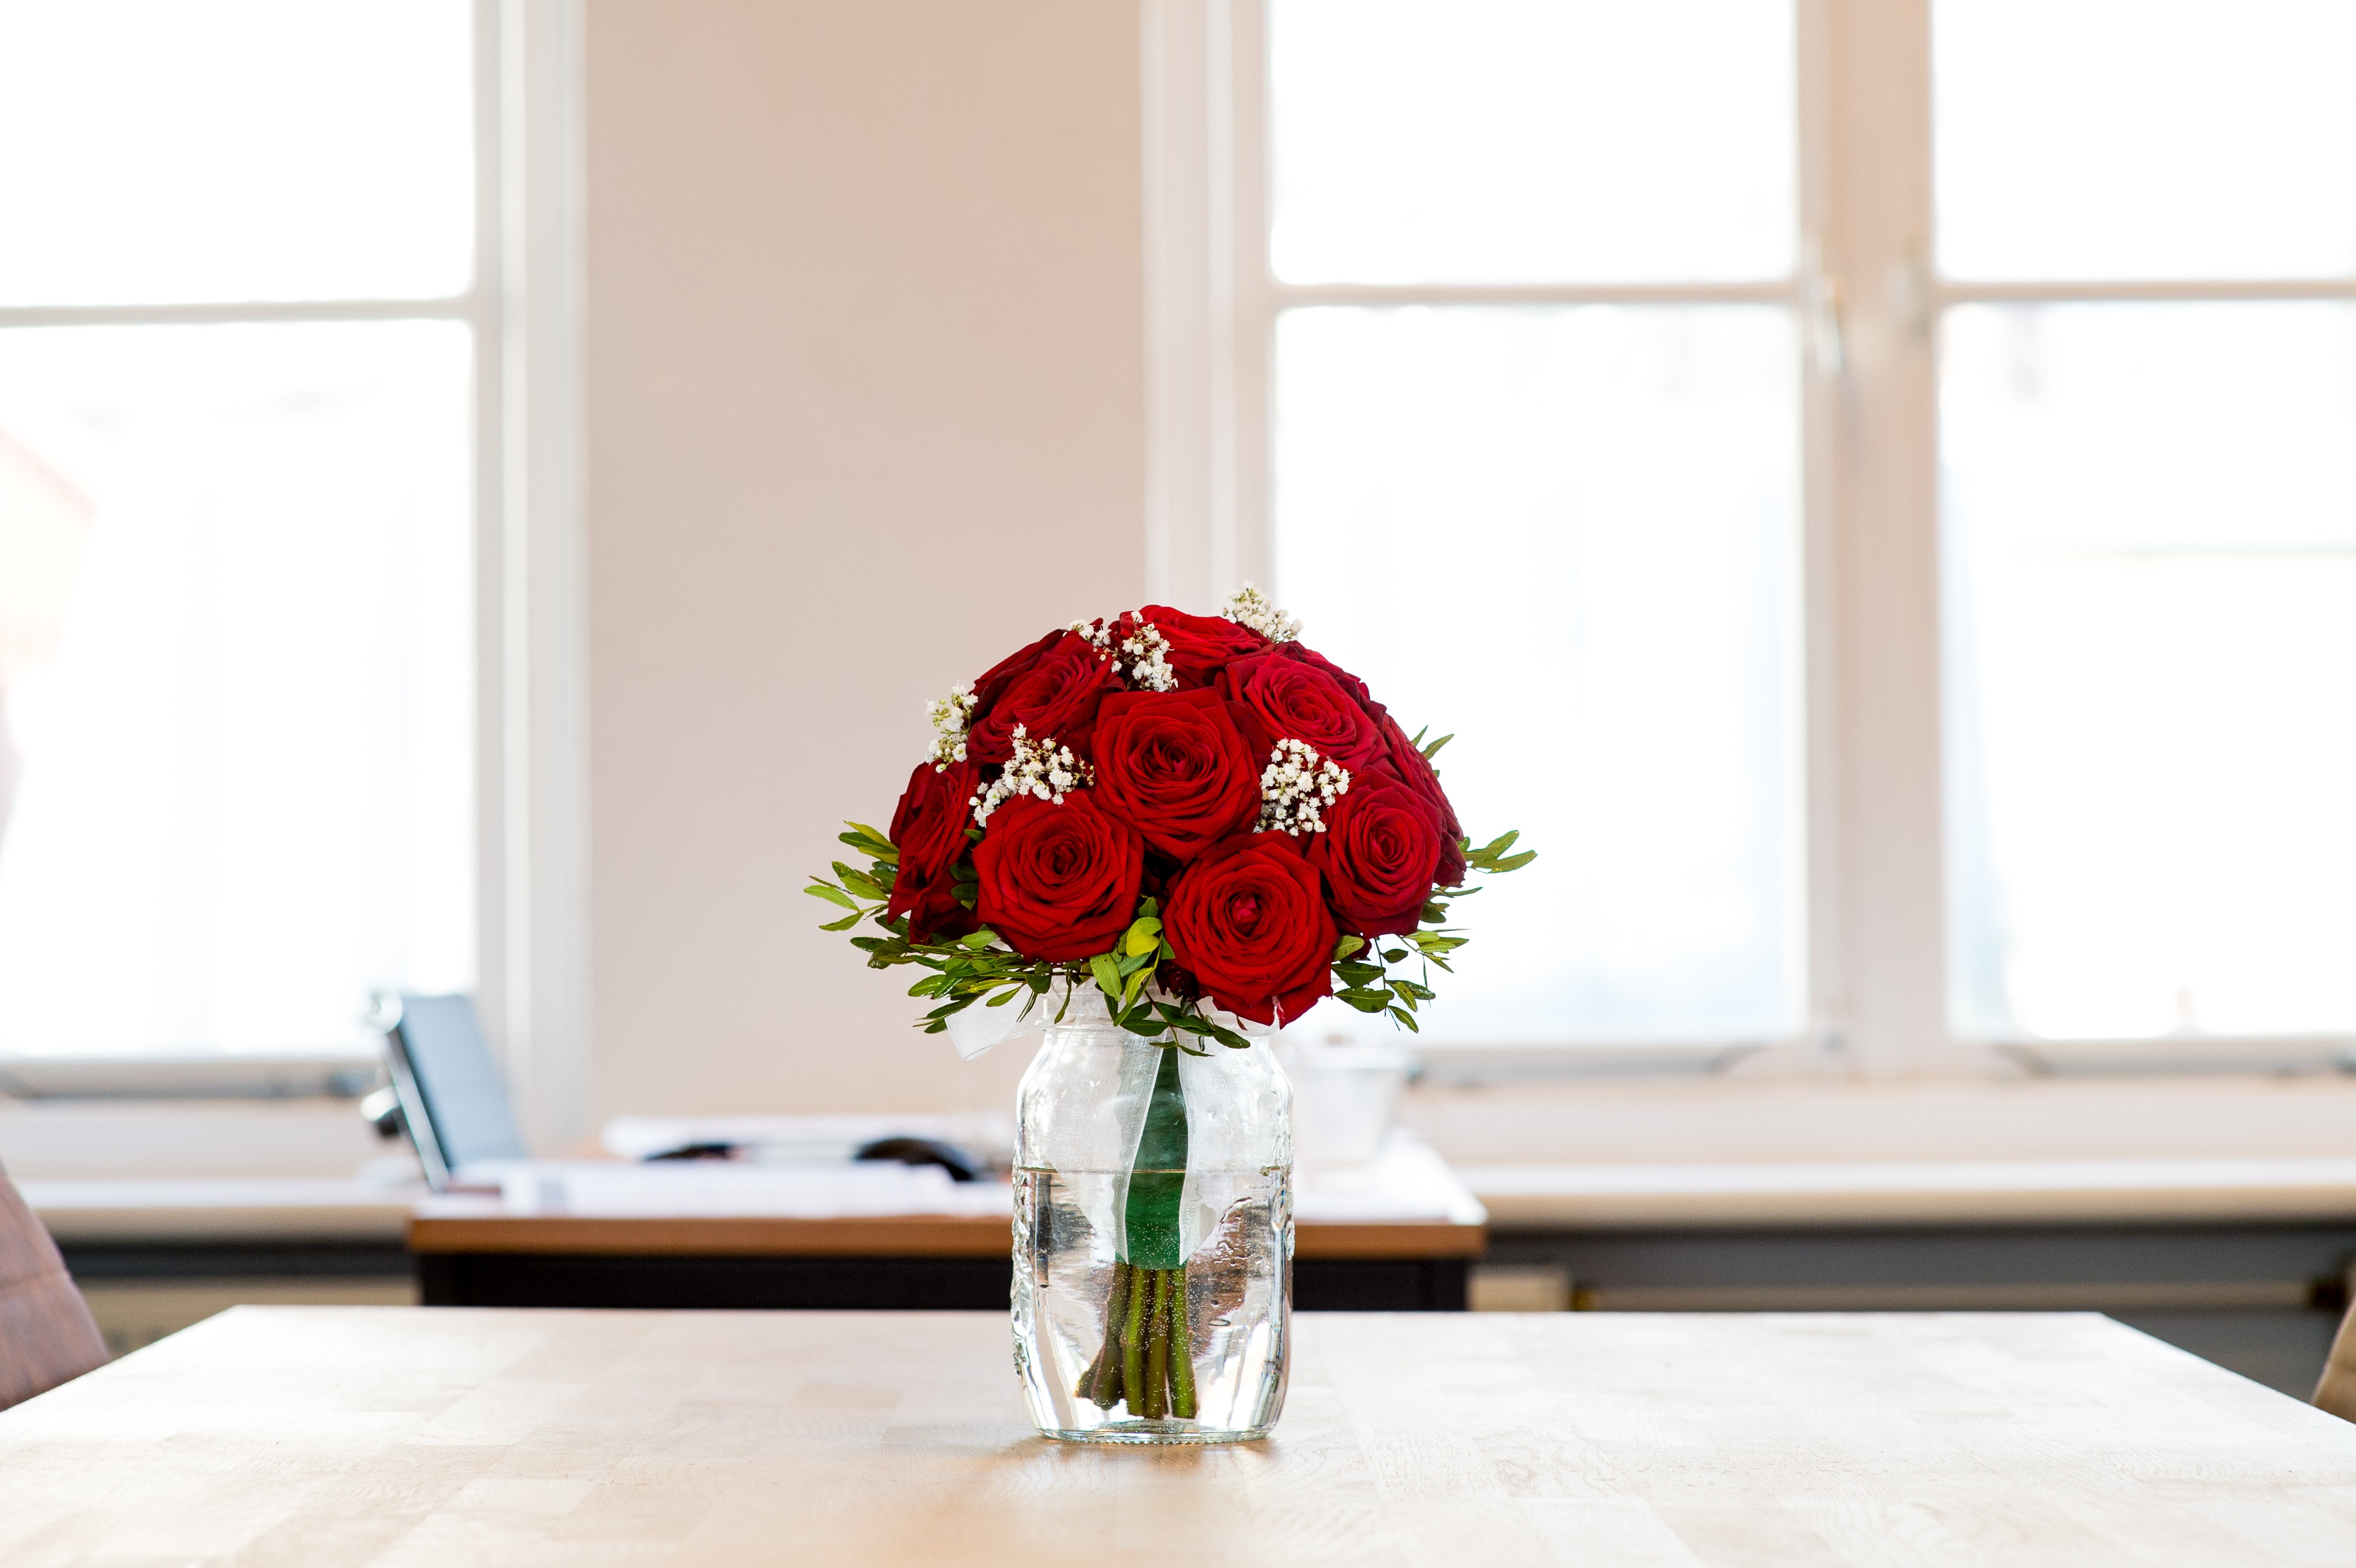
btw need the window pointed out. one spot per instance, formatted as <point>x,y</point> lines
<point>259,378</point>
<point>1874,486</point>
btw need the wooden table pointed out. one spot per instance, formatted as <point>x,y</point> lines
<point>326,1436</point>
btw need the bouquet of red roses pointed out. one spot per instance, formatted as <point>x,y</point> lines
<point>1200,814</point>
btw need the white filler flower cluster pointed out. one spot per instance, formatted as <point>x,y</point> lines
<point>948,715</point>
<point>1248,606</point>
<point>1041,768</point>
<point>1145,649</point>
<point>1296,790</point>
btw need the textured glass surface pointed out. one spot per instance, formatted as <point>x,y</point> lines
<point>1532,140</point>
<point>2150,517</point>
<point>158,151</point>
<point>236,676</point>
<point>2145,138</point>
<point>1152,1273</point>
<point>1570,538</point>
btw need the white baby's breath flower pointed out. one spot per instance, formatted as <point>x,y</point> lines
<point>948,715</point>
<point>1148,651</point>
<point>1296,789</point>
<point>1040,768</point>
<point>1248,606</point>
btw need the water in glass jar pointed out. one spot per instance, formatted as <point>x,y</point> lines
<point>1083,1317</point>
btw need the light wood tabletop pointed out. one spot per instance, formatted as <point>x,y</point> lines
<point>391,1436</point>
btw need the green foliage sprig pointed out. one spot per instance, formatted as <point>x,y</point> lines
<point>982,967</point>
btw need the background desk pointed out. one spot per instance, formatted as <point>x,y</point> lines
<point>315,1438</point>
<point>1348,1255</point>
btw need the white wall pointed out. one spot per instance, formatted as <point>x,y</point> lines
<point>864,385</point>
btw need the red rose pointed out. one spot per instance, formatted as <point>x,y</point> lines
<point>1379,850</point>
<point>928,829</point>
<point>1342,677</point>
<point>1201,646</point>
<point>1008,670</point>
<point>1058,881</point>
<point>1248,920</point>
<point>1056,697</point>
<point>1175,767</point>
<point>1418,774</point>
<point>1292,701</point>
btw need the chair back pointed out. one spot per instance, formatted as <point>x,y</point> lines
<point>47,1335</point>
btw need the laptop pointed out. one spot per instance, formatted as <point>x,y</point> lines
<point>452,1096</point>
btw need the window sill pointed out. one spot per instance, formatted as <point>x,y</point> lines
<point>1734,1152</point>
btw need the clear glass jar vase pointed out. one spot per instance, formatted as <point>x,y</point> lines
<point>1152,1236</point>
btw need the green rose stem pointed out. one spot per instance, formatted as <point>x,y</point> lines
<point>1132,1345</point>
<point>1182,1349</point>
<point>1157,1350</point>
<point>1102,1381</point>
<point>1157,1186</point>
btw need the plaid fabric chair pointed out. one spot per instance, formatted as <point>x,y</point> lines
<point>47,1335</point>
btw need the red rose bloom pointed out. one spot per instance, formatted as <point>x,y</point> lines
<point>1201,646</point>
<point>1056,697</point>
<point>1008,670</point>
<point>1418,774</point>
<point>1175,767</point>
<point>1289,699</point>
<point>928,829</point>
<point>1058,881</point>
<point>1379,851</point>
<point>1248,921</point>
<point>1342,677</point>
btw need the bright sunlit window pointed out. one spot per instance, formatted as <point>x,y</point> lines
<point>1570,530</point>
<point>2150,510</point>
<point>240,316</point>
<point>1880,505</point>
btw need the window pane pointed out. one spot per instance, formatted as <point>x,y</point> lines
<point>1532,140</point>
<point>2145,138</point>
<point>156,150</point>
<point>2151,534</point>
<point>1570,536</point>
<point>236,611</point>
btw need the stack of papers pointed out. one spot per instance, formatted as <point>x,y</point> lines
<point>700,1189</point>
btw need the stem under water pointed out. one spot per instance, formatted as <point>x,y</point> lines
<point>1132,1343</point>
<point>1157,1349</point>
<point>1102,1381</point>
<point>1182,1349</point>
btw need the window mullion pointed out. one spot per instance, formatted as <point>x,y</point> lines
<point>1875,650</point>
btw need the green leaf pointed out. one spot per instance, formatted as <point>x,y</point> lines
<point>1501,843</point>
<point>1416,739</point>
<point>1140,1020</point>
<point>1394,956</point>
<point>978,939</point>
<point>1359,973</point>
<point>862,886</point>
<point>1346,946</point>
<point>1409,1020</point>
<point>1514,862</point>
<point>1435,914</point>
<point>966,893</point>
<point>845,923</point>
<point>877,833</point>
<point>1002,997</point>
<point>1148,908</point>
<point>1143,937</point>
<point>830,893</point>
<point>1366,1000</point>
<point>1107,973</point>
<point>1136,983</point>
<point>1410,993</point>
<point>1433,749</point>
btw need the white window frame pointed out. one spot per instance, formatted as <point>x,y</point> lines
<point>531,713</point>
<point>1869,302</point>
